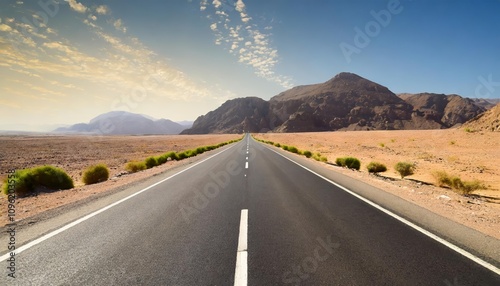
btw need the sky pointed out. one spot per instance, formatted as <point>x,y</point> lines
<point>67,61</point>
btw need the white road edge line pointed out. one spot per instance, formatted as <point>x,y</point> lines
<point>241,271</point>
<point>80,220</point>
<point>412,225</point>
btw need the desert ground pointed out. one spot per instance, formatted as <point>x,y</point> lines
<point>471,155</point>
<point>75,153</point>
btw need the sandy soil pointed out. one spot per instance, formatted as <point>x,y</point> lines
<point>469,155</point>
<point>75,153</point>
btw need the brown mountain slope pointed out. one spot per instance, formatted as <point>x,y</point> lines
<point>238,115</point>
<point>346,102</point>
<point>487,121</point>
<point>448,110</point>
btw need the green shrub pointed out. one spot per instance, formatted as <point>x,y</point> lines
<point>464,187</point>
<point>181,155</point>
<point>352,163</point>
<point>172,155</point>
<point>323,159</point>
<point>277,145</point>
<point>26,181</point>
<point>375,167</point>
<point>349,162</point>
<point>308,154</point>
<point>162,159</point>
<point>135,166</point>
<point>293,149</point>
<point>201,150</point>
<point>95,174</point>
<point>317,156</point>
<point>405,169</point>
<point>151,162</point>
<point>284,147</point>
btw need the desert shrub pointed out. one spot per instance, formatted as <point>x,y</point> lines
<point>201,150</point>
<point>172,155</point>
<point>151,162</point>
<point>464,187</point>
<point>135,166</point>
<point>181,155</point>
<point>340,162</point>
<point>277,145</point>
<point>25,181</point>
<point>308,154</point>
<point>405,169</point>
<point>323,159</point>
<point>293,149</point>
<point>162,159</point>
<point>95,174</point>
<point>468,130</point>
<point>270,142</point>
<point>284,147</point>
<point>317,156</point>
<point>352,163</point>
<point>375,167</point>
<point>191,153</point>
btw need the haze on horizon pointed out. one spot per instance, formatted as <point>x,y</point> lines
<point>67,61</point>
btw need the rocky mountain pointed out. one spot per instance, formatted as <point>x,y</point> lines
<point>345,102</point>
<point>124,123</point>
<point>448,110</point>
<point>234,116</point>
<point>487,103</point>
<point>487,121</point>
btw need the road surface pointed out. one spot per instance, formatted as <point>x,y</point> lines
<point>244,216</point>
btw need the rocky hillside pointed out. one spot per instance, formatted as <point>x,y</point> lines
<point>124,123</point>
<point>234,116</point>
<point>487,121</point>
<point>345,102</point>
<point>448,110</point>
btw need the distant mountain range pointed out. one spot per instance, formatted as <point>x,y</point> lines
<point>125,123</point>
<point>345,102</point>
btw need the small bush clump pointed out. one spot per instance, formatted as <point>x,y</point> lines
<point>349,162</point>
<point>375,167</point>
<point>95,174</point>
<point>26,181</point>
<point>308,154</point>
<point>443,179</point>
<point>151,162</point>
<point>293,149</point>
<point>135,166</point>
<point>284,147</point>
<point>277,145</point>
<point>405,169</point>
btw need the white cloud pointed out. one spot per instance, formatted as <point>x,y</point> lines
<point>102,10</point>
<point>118,24</point>
<point>92,17</point>
<point>5,28</point>
<point>257,50</point>
<point>217,3</point>
<point>78,7</point>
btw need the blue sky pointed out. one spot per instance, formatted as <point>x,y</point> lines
<point>64,62</point>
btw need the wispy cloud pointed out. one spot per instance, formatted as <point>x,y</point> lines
<point>76,6</point>
<point>102,10</point>
<point>48,65</point>
<point>233,29</point>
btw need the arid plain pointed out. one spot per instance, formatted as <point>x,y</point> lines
<point>471,155</point>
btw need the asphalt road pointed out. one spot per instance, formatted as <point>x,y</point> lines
<point>284,224</point>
